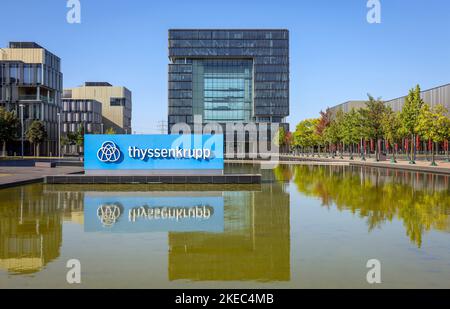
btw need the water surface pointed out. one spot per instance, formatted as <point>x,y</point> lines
<point>305,226</point>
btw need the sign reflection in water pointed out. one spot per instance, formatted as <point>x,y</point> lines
<point>140,212</point>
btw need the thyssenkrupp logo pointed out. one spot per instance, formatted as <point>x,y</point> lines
<point>108,153</point>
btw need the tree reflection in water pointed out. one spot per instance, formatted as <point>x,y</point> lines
<point>421,201</point>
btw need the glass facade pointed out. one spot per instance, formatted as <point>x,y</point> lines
<point>22,74</point>
<point>78,114</point>
<point>223,90</point>
<point>36,84</point>
<point>228,75</point>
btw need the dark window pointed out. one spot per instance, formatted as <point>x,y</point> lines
<point>117,101</point>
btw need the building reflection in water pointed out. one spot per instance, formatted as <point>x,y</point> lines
<point>255,244</point>
<point>31,219</point>
<point>421,201</point>
<point>30,229</point>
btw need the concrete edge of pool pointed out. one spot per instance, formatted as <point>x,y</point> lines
<point>153,179</point>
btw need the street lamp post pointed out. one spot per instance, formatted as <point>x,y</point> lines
<point>21,106</point>
<point>59,135</point>
<point>101,125</point>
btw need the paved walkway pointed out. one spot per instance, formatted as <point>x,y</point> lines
<point>11,176</point>
<point>275,163</point>
<point>420,166</point>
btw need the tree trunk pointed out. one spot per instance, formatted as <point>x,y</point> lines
<point>376,151</point>
<point>447,152</point>
<point>4,150</point>
<point>412,150</point>
<point>433,162</point>
<point>394,153</point>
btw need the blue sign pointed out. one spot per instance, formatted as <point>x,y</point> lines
<point>153,152</point>
<point>140,213</point>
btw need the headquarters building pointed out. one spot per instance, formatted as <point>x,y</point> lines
<point>116,104</point>
<point>31,78</point>
<point>229,76</point>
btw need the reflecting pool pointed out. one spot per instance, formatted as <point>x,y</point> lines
<point>306,226</point>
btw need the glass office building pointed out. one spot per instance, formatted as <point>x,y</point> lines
<point>237,76</point>
<point>31,78</point>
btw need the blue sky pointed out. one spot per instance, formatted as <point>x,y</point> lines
<point>335,54</point>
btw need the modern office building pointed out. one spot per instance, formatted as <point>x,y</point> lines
<point>31,78</point>
<point>433,97</point>
<point>348,106</point>
<point>228,76</point>
<point>76,115</point>
<point>115,101</point>
<point>85,114</point>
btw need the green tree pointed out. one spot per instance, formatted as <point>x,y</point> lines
<point>361,131</point>
<point>391,126</point>
<point>331,135</point>
<point>74,138</point>
<point>339,129</point>
<point>372,116</point>
<point>349,132</point>
<point>36,134</point>
<point>409,117</point>
<point>280,138</point>
<point>80,137</point>
<point>305,134</point>
<point>110,131</point>
<point>433,124</point>
<point>70,139</point>
<point>9,123</point>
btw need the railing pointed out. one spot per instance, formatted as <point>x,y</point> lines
<point>31,97</point>
<point>47,99</point>
<point>34,98</point>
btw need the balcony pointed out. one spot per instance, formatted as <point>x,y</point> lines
<point>33,97</point>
